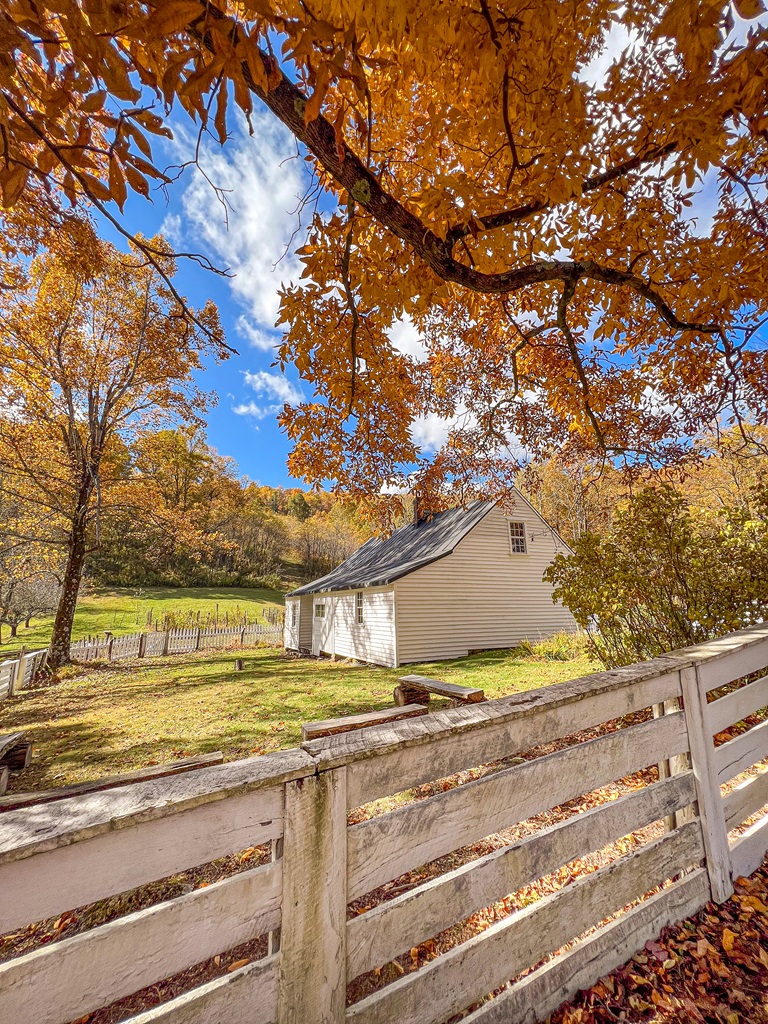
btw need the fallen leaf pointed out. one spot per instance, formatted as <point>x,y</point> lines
<point>729,939</point>
<point>238,964</point>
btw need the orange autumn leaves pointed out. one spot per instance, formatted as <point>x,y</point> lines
<point>521,199</point>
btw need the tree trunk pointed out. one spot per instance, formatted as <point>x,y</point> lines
<point>14,627</point>
<point>58,651</point>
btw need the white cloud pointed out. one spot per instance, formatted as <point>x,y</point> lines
<point>405,338</point>
<point>617,40</point>
<point>274,388</point>
<point>263,180</point>
<point>273,385</point>
<point>257,337</point>
<point>430,432</point>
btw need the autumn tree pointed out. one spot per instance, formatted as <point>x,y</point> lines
<point>90,351</point>
<point>529,212</point>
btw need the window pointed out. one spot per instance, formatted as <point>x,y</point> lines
<point>517,543</point>
<point>320,611</point>
<point>293,615</point>
<point>359,606</point>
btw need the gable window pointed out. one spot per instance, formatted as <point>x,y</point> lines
<point>359,606</point>
<point>320,611</point>
<point>517,544</point>
<point>293,615</point>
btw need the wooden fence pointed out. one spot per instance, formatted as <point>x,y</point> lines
<point>58,856</point>
<point>175,641</point>
<point>16,673</point>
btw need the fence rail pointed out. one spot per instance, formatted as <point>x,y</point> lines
<point>16,673</point>
<point>175,641</point>
<point>67,854</point>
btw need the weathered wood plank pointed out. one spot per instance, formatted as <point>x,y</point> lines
<point>730,657</point>
<point>247,996</point>
<point>381,934</point>
<point>540,993</point>
<point>408,754</point>
<point>745,800</point>
<point>469,971</point>
<point>472,694</point>
<point>333,726</point>
<point>749,850</point>
<point>72,876</point>
<point>710,802</point>
<point>64,980</point>
<point>737,705</point>
<point>33,830</point>
<point>383,848</point>
<point>158,771</point>
<point>742,752</point>
<point>10,740</point>
<point>311,987</point>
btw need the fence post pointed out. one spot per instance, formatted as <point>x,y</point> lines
<point>197,639</point>
<point>142,644</point>
<point>711,811</point>
<point>313,956</point>
<point>17,675</point>
<point>166,641</point>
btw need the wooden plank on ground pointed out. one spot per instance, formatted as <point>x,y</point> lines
<point>333,726</point>
<point>72,876</point>
<point>539,994</point>
<point>749,850</point>
<point>746,799</point>
<point>313,930</point>
<point>742,752</point>
<point>737,705</point>
<point>472,969</point>
<point>67,979</point>
<point>385,847</point>
<point>409,753</point>
<point>381,934</point>
<point>18,757</point>
<point>110,781</point>
<point>246,996</point>
<point>10,740</point>
<point>454,691</point>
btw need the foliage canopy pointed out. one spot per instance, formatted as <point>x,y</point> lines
<point>530,215</point>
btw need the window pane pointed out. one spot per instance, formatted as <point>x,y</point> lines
<point>517,538</point>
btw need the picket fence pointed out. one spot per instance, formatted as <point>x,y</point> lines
<point>175,641</point>
<point>57,856</point>
<point>16,673</point>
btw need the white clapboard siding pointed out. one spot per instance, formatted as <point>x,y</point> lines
<point>746,799</point>
<point>391,928</point>
<point>246,996</point>
<point>481,596</point>
<point>472,969</point>
<point>385,847</point>
<point>737,705</point>
<point>372,640</point>
<point>742,752</point>
<point>536,996</point>
<point>66,979</point>
<point>392,758</point>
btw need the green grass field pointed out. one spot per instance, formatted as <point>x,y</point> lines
<point>97,721</point>
<point>126,611</point>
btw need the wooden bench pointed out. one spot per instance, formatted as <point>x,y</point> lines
<point>418,688</point>
<point>332,726</point>
<point>158,771</point>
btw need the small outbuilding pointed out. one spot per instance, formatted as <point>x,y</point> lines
<point>467,579</point>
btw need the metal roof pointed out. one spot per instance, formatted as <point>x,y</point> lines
<point>380,562</point>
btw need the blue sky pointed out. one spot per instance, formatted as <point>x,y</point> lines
<point>264,180</point>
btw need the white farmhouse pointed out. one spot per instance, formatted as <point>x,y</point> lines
<point>468,579</point>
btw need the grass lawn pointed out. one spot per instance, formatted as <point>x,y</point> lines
<point>126,610</point>
<point>99,721</point>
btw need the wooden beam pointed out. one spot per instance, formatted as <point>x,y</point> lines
<point>470,694</point>
<point>332,726</point>
<point>111,781</point>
